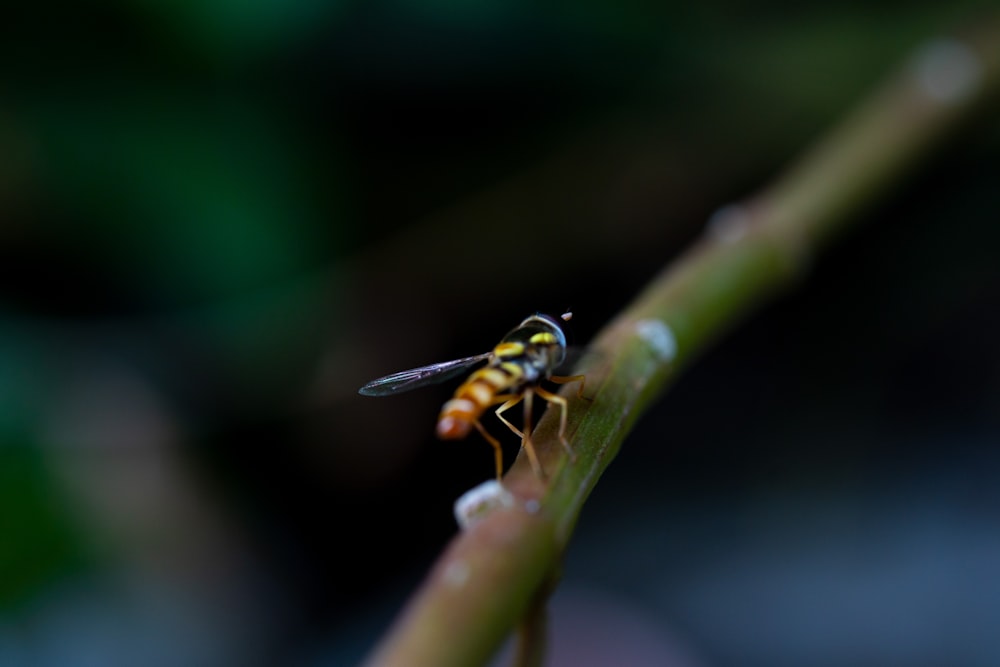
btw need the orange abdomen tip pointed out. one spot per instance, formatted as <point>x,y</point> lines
<point>456,419</point>
<point>450,428</point>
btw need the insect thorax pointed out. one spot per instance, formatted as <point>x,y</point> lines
<point>537,347</point>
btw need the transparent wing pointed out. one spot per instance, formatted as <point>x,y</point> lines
<point>420,377</point>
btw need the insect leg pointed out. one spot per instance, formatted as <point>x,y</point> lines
<point>526,440</point>
<point>497,451</point>
<point>511,401</point>
<point>566,379</point>
<point>561,402</point>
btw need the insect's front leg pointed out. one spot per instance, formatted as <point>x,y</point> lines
<point>566,379</point>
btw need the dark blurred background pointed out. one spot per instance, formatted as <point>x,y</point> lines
<point>219,219</point>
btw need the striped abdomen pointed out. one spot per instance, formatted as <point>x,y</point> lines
<point>478,393</point>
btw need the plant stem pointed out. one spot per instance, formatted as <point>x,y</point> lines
<point>491,575</point>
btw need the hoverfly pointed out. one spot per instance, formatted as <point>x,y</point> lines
<point>514,371</point>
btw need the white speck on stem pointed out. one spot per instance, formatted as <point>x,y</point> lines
<point>477,503</point>
<point>456,573</point>
<point>659,337</point>
<point>947,70</point>
<point>729,223</point>
<point>532,506</point>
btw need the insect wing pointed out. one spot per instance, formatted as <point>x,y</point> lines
<point>420,377</point>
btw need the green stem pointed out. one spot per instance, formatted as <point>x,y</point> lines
<point>491,575</point>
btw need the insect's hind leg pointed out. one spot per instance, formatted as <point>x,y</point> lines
<point>497,450</point>
<point>525,436</point>
<point>526,440</point>
<point>509,401</point>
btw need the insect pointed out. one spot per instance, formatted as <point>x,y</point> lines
<point>513,373</point>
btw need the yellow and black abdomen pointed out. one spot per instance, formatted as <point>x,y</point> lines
<point>480,391</point>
